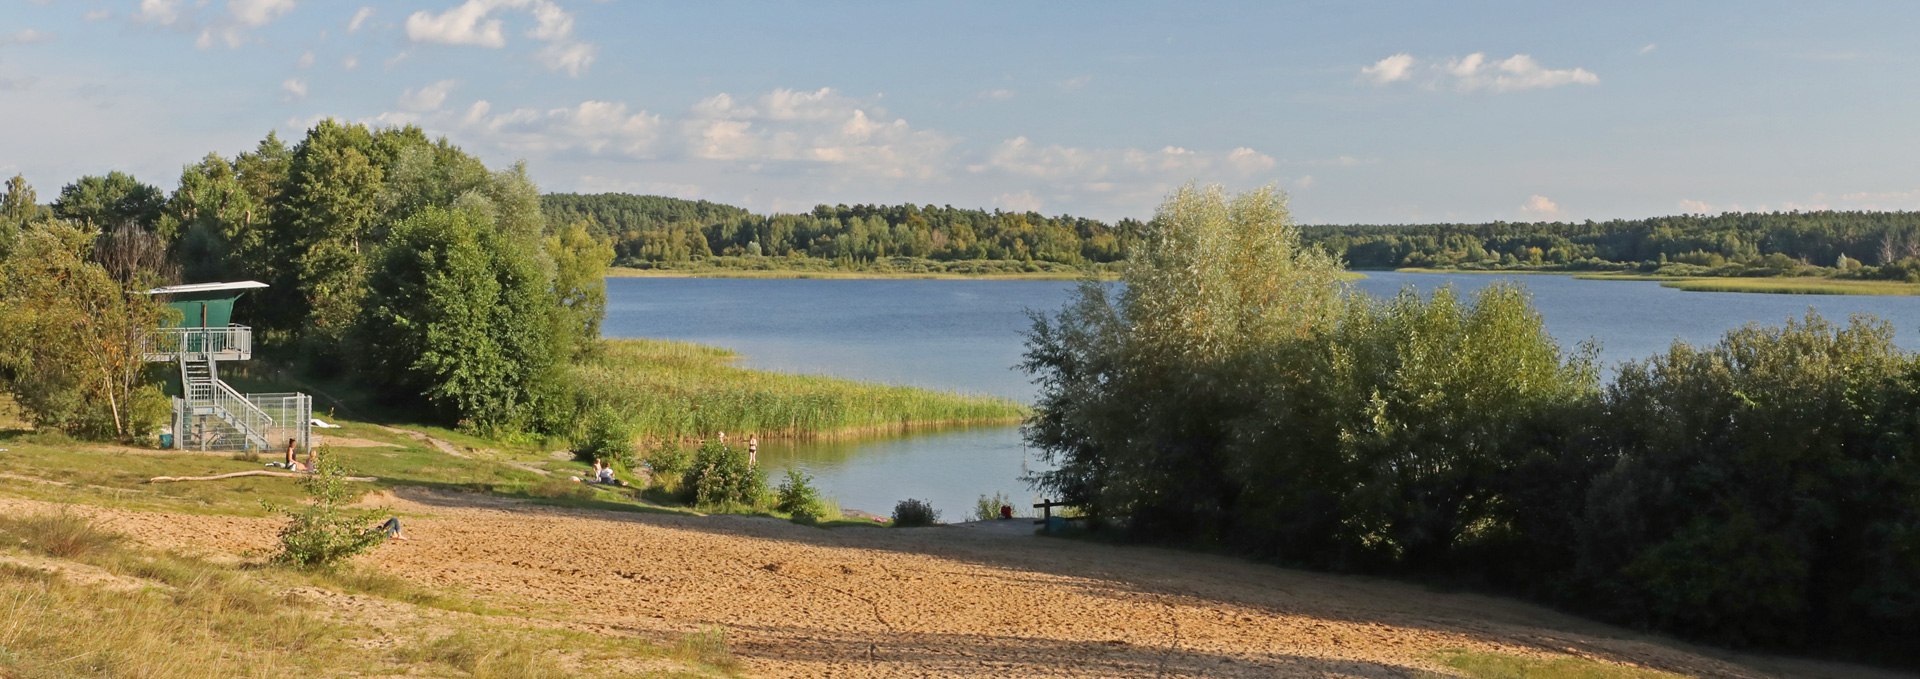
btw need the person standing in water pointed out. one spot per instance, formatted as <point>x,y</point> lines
<point>753,450</point>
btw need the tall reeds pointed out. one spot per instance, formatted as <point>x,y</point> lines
<point>671,390</point>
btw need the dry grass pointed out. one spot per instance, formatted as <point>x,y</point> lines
<point>1479,665</point>
<point>64,534</point>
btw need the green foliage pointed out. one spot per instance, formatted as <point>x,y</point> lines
<point>912,513</point>
<point>605,436</point>
<point>656,229</point>
<point>1730,244</point>
<point>670,459</point>
<point>1755,492</point>
<point>580,269</point>
<point>103,203</point>
<point>326,530</point>
<point>70,339</point>
<point>797,496</point>
<point>988,508</point>
<point>722,478</point>
<point>459,316</point>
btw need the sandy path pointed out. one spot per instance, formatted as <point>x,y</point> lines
<point>952,601</point>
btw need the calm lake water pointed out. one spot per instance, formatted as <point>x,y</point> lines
<point>966,336</point>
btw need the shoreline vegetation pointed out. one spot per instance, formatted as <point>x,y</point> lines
<point>671,391</point>
<point>1784,285</point>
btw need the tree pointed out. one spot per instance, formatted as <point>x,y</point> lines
<point>580,268</point>
<point>19,208</point>
<point>70,339</point>
<point>103,203</point>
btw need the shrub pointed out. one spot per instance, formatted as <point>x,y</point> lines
<point>670,459</point>
<point>605,436</point>
<point>988,508</point>
<point>798,497</point>
<point>721,477</point>
<point>912,513</point>
<point>325,531</point>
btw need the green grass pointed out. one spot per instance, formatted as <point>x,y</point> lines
<point>675,390</point>
<point>1480,665</point>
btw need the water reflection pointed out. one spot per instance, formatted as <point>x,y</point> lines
<point>949,468</point>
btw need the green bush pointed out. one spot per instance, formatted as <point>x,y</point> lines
<point>670,459</point>
<point>605,436</point>
<point>988,508</point>
<point>798,497</point>
<point>912,513</point>
<point>721,477</point>
<point>325,530</point>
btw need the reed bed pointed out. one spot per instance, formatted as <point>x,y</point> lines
<point>677,390</point>
<point>1797,286</point>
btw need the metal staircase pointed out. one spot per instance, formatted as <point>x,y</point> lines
<point>217,417</point>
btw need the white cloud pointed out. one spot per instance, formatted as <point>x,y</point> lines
<point>1249,161</point>
<point>427,98</point>
<point>1541,207</point>
<point>1023,201</point>
<point>474,23</point>
<point>1304,182</point>
<point>257,13</point>
<point>25,36</point>
<point>1696,207</point>
<point>997,95</point>
<point>295,88</point>
<point>1649,48</point>
<point>571,57</point>
<point>306,60</point>
<point>102,14</point>
<point>1077,82</point>
<point>162,12</point>
<point>1476,72</point>
<point>359,19</point>
<point>350,63</point>
<point>1391,69</point>
<point>466,24</point>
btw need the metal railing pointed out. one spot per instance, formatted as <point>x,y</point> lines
<point>163,344</point>
<point>292,416</point>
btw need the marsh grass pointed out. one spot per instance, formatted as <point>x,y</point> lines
<point>1796,286</point>
<point>1481,665</point>
<point>676,390</point>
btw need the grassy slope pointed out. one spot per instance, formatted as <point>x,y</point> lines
<point>672,390</point>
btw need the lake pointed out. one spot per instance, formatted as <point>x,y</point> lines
<point>962,335</point>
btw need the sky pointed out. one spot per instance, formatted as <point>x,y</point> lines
<point>1363,112</point>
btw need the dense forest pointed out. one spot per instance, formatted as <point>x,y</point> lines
<point>1864,244</point>
<point>1756,492</point>
<point>655,231</point>
<point>398,265</point>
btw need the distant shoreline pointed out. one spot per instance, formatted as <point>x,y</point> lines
<point>1788,285</point>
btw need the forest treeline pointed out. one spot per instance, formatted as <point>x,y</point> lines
<point>1854,244</point>
<point>1757,492</point>
<point>655,230</point>
<point>398,264</point>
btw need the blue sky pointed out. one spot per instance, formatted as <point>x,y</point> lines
<point>1364,112</point>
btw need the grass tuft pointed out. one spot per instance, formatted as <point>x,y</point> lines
<point>485,657</point>
<point>707,647</point>
<point>60,534</point>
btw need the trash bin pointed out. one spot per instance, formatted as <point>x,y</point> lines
<point>166,441</point>
<point>1056,524</point>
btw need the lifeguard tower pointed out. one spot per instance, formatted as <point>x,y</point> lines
<point>209,414</point>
